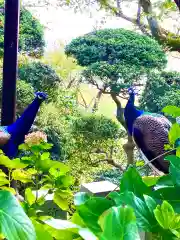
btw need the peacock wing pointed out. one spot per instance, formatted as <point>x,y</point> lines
<point>150,133</point>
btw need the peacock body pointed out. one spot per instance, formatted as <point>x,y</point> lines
<point>17,131</point>
<point>149,132</point>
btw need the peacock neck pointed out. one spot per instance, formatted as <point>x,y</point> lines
<point>131,113</point>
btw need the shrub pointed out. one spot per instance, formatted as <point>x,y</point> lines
<point>25,95</point>
<point>41,76</point>
<point>161,89</point>
<point>31,33</point>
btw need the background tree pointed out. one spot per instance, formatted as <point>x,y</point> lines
<point>31,33</point>
<point>161,89</point>
<point>41,76</point>
<point>25,95</point>
<point>146,16</point>
<point>115,59</point>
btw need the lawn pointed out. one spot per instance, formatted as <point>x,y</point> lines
<point>107,107</point>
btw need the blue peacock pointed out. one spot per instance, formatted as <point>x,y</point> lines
<point>14,134</point>
<point>149,132</point>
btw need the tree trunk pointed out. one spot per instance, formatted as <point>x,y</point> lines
<point>96,102</point>
<point>129,150</point>
<point>129,146</point>
<point>161,35</point>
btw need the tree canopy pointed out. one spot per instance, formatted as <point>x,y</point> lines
<point>161,89</point>
<point>118,57</point>
<point>41,76</point>
<point>31,33</point>
<point>147,16</point>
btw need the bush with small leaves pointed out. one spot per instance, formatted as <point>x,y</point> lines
<point>31,33</point>
<point>25,95</point>
<point>161,89</point>
<point>41,76</point>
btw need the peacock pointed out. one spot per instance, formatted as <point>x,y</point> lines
<point>149,132</point>
<point>13,135</point>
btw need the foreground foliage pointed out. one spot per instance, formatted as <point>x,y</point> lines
<point>149,205</point>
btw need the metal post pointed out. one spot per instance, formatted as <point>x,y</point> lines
<point>11,31</point>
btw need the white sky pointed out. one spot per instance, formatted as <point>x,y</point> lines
<point>64,25</point>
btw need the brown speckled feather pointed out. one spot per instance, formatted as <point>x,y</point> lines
<point>151,134</point>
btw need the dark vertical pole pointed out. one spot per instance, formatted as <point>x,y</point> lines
<point>11,31</point>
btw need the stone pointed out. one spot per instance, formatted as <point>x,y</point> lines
<point>100,189</point>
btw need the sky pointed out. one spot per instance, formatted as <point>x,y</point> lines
<point>64,25</point>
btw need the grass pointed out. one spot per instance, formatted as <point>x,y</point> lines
<point>107,107</point>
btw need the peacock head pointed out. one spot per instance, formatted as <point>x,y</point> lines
<point>132,92</point>
<point>41,96</point>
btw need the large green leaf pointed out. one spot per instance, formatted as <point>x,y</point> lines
<point>174,169</point>
<point>68,230</point>
<point>14,223</point>
<point>150,180</point>
<point>22,176</point>
<point>170,194</point>
<point>132,181</point>
<point>91,210</point>
<point>174,133</point>
<point>167,218</point>
<point>61,198</point>
<point>172,111</point>
<point>164,181</point>
<point>12,164</point>
<point>80,198</point>
<point>41,232</point>
<point>29,196</point>
<point>143,208</point>
<point>119,223</point>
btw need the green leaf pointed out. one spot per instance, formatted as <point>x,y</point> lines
<point>60,198</point>
<point>58,169</point>
<point>164,214</point>
<point>65,181</point>
<point>81,198</point>
<point>11,190</point>
<point>174,133</point>
<point>4,181</point>
<point>62,229</point>
<point>150,180</point>
<point>86,234</point>
<point>18,164</point>
<point>164,181</point>
<point>14,223</point>
<point>77,220</point>
<point>71,227</point>
<point>22,176</point>
<point>170,194</point>
<point>143,208</point>
<point>29,196</point>
<point>172,111</point>
<point>119,223</point>
<point>91,210</point>
<point>11,164</point>
<point>2,174</point>
<point>41,232</point>
<point>132,182</point>
<point>5,161</point>
<point>45,155</point>
<point>174,169</point>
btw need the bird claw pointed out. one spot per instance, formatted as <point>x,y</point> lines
<point>41,95</point>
